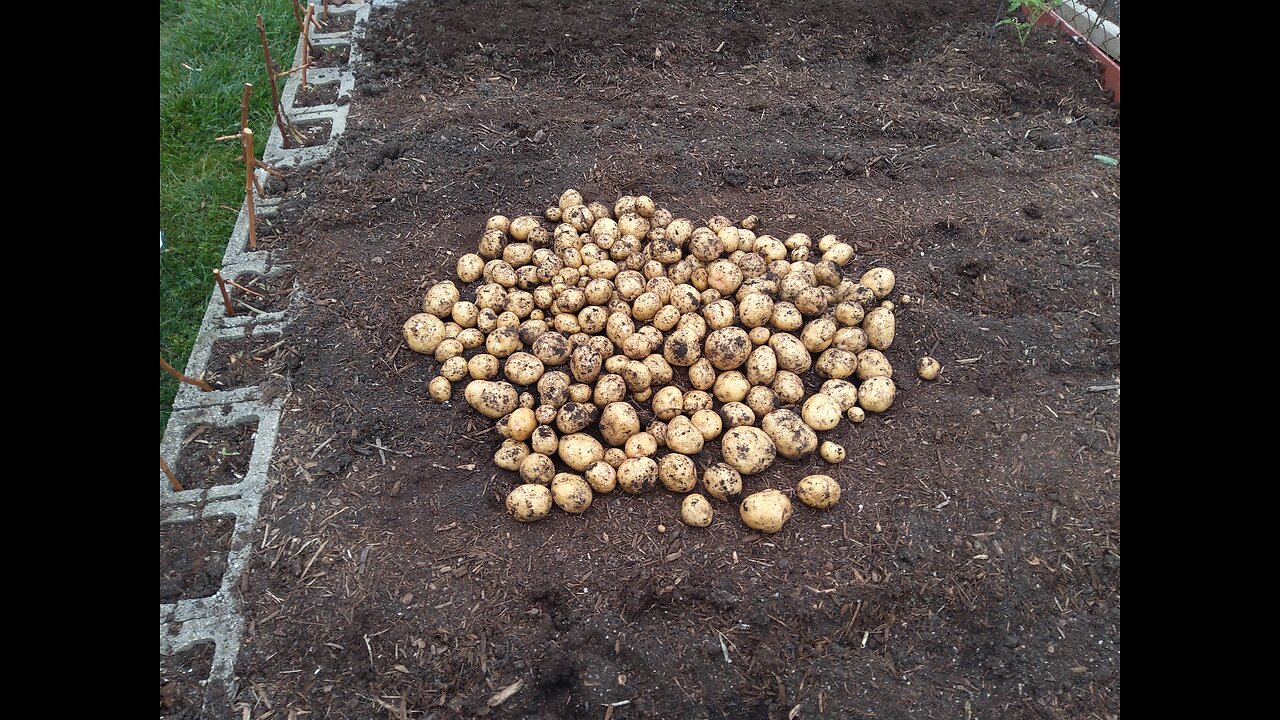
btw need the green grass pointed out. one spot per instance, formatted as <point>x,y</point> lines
<point>208,50</point>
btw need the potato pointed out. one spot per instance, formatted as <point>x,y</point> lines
<point>660,372</point>
<point>423,333</point>
<point>602,476</point>
<point>708,423</point>
<point>762,400</point>
<point>760,335</point>
<point>788,387</point>
<point>529,503</point>
<point>528,400</point>
<point>818,334</point>
<point>794,439</point>
<point>510,454</point>
<point>880,280</point>
<point>574,417</point>
<point>850,339</point>
<point>873,363</point>
<point>850,313</point>
<point>448,348</point>
<point>928,368</point>
<point>642,444</point>
<point>615,457</point>
<point>638,475</point>
<point>696,400</point>
<point>876,394</point>
<point>543,440</point>
<point>580,393</point>
<point>843,392</point>
<point>791,353</point>
<point>518,425</point>
<point>666,318</point>
<point>731,386</point>
<point>439,388</point>
<point>537,468</point>
<point>762,365</point>
<point>553,389</point>
<point>818,491</point>
<point>571,493</point>
<point>728,348</point>
<point>677,472</point>
<point>522,368</point>
<point>637,377</point>
<point>580,450</point>
<point>504,341</point>
<point>718,313</point>
<point>863,295</point>
<point>492,399</point>
<point>724,276</point>
<point>552,348</point>
<point>811,302</point>
<point>722,481</point>
<point>615,365</point>
<point>756,310</point>
<point>786,318</point>
<point>546,414</point>
<point>821,412</point>
<point>470,267</point>
<point>609,389</point>
<point>585,364</point>
<point>696,511</point>
<point>683,437</point>
<point>658,430</point>
<point>831,452</point>
<point>734,414</point>
<point>765,511</point>
<point>879,326</point>
<point>702,374</point>
<point>668,403</point>
<point>749,450</point>
<point>856,414</point>
<point>490,297</point>
<point>682,348</point>
<point>836,363</point>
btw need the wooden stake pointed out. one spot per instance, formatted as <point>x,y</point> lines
<point>226,299</point>
<point>183,378</point>
<point>297,15</point>
<point>246,140</point>
<point>244,106</point>
<point>326,10</point>
<point>306,43</point>
<point>281,122</point>
<point>173,480</point>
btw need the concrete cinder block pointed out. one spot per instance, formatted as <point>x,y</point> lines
<point>267,416</point>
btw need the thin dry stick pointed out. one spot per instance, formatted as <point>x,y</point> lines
<point>246,140</point>
<point>281,122</point>
<point>183,378</point>
<point>226,299</point>
<point>326,10</point>
<point>297,14</point>
<point>286,73</point>
<point>270,170</point>
<point>306,44</point>
<point>173,479</point>
<point>248,291</point>
<point>244,106</point>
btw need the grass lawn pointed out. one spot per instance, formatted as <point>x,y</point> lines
<point>208,50</point>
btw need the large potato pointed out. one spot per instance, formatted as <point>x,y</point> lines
<point>571,493</point>
<point>818,491</point>
<point>440,299</point>
<point>683,437</point>
<point>879,324</point>
<point>749,450</point>
<point>585,364</point>
<point>424,332</point>
<point>528,503</point>
<point>537,468</point>
<point>618,422</point>
<point>850,339</point>
<point>580,450</point>
<point>638,475</point>
<point>791,353</point>
<point>876,394</point>
<point>668,403</point>
<point>821,412</point>
<point>765,511</point>
<point>880,280</point>
<point>728,348</point>
<point>788,386</point>
<point>677,472</point>
<point>836,363</point>
<point>873,363</point>
<point>795,440</point>
<point>492,399</point>
<point>609,389</point>
<point>682,348</point>
<point>722,481</point>
<point>696,511</point>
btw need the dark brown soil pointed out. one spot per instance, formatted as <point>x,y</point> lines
<point>338,23</point>
<point>326,94</point>
<point>215,455</point>
<point>268,293</point>
<point>182,678</point>
<point>972,568</point>
<point>330,55</point>
<point>270,232</point>
<point>193,558</point>
<point>250,361</point>
<point>314,134</point>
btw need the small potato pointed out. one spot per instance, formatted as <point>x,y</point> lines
<point>880,280</point>
<point>818,491</point>
<point>682,348</point>
<point>821,412</point>
<point>928,368</point>
<point>722,482</point>
<point>856,414</point>
<point>615,365</point>
<point>528,400</point>
<point>863,295</point>
<point>602,476</point>
<point>876,394</point>
<point>788,386</point>
<point>795,440</point>
<point>504,341</point>
<point>609,389</point>
<point>749,450</point>
<point>702,374</point>
<point>660,370</point>
<point>786,317</point>
<point>708,423</point>
<point>543,440</point>
<point>731,386</point>
<point>762,366</point>
<point>818,334</point>
<point>522,368</point>
<point>811,302</point>
<point>638,377</point>
<point>423,333</point>
<point>642,444</point>
<point>440,388</point>
<point>683,437</point>
<point>765,511</point>
<point>756,310</point>
<point>718,313</point>
<point>580,393</point>
<point>492,399</point>
<point>831,452</point>
<point>696,511</point>
<point>735,414</point>
<point>569,198</point>
<point>843,392</point>
<point>839,253</point>
<point>537,468</point>
<point>580,450</point>
<point>510,454</point>
<point>677,472</point>
<point>879,325</point>
<point>666,318</point>
<point>638,475</point>
<point>465,314</point>
<point>571,493</point>
<point>518,425</point>
<point>850,313</point>
<point>545,414</point>
<point>658,430</point>
<point>873,363</point>
<point>529,503</point>
<point>728,348</point>
<point>668,403</point>
<point>615,457</point>
<point>762,400</point>
<point>836,363</point>
<point>470,267</point>
<point>585,364</point>
<point>574,417</point>
<point>760,335</point>
<point>696,400</point>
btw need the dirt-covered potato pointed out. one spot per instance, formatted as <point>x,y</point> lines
<point>668,403</point>
<point>787,387</point>
<point>836,363</point>
<point>821,412</point>
<point>519,424</point>
<point>609,389</point>
<point>850,339</point>
<point>529,503</point>
<point>510,454</point>
<point>791,353</point>
<point>618,422</point>
<point>843,392</point>
<point>880,280</point>
<point>682,347</point>
<point>876,394</point>
<point>731,386</point>
<point>615,365</point>
<point>696,511</point>
<point>728,348</point>
<point>424,332</point>
<point>660,371</point>
<point>702,374</point>
<point>735,414</point>
<point>677,472</point>
<point>839,253</point>
<point>553,389</point>
<point>585,364</point>
<point>448,348</point>
<point>637,377</point>
<point>718,313</point>
<point>492,399</point>
<point>708,423</point>
<point>537,468</point>
<point>818,491</point>
<point>602,476</point>
<point>658,429</point>
<point>470,267</point>
<point>638,475</point>
<point>856,414</point>
<point>795,440</point>
<point>722,481</point>
<point>879,324</point>
<point>552,348</point>
<point>831,452</point>
<point>580,450</point>
<point>522,368</point>
<point>544,440</point>
<point>642,444</point>
<point>683,437</point>
<point>571,493</point>
<point>873,363</point>
<point>528,400</point>
<point>786,318</point>
<point>696,400</point>
<point>756,310</point>
<point>760,335</point>
<point>761,366</point>
<point>580,393</point>
<point>574,417</point>
<point>762,400</point>
<point>502,342</point>
<point>928,368</point>
<point>765,511</point>
<point>439,388</point>
<point>850,313</point>
<point>749,450</point>
<point>811,302</point>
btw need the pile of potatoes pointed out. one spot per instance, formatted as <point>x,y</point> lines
<point>610,345</point>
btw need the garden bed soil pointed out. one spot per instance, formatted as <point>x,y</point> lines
<point>972,568</point>
<point>193,558</point>
<point>316,94</point>
<point>337,23</point>
<point>250,361</point>
<point>213,455</point>
<point>182,679</point>
<point>326,56</point>
<point>272,291</point>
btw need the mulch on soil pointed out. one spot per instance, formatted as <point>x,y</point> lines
<point>250,361</point>
<point>267,293</point>
<point>193,558</point>
<point>314,94</point>
<point>973,567</point>
<point>182,678</point>
<point>215,455</point>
